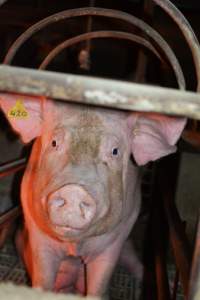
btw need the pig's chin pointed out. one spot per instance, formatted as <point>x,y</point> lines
<point>66,232</point>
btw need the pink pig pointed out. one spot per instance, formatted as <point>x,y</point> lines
<point>81,191</point>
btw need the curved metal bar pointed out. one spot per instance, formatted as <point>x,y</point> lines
<point>94,11</point>
<point>187,31</point>
<point>2,2</point>
<point>95,35</point>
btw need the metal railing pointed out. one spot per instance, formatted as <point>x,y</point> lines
<point>9,216</point>
<point>120,95</point>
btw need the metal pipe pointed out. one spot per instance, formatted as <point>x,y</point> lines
<point>97,91</point>
<point>12,167</point>
<point>96,35</point>
<point>187,31</point>
<point>9,216</point>
<point>94,11</point>
<point>163,291</point>
<point>2,2</point>
<point>194,285</point>
<point>178,239</point>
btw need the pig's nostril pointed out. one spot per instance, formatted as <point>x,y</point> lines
<point>58,202</point>
<point>82,209</point>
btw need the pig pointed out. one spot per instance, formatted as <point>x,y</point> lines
<point>80,192</point>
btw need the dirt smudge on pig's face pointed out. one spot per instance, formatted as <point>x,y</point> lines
<point>86,137</point>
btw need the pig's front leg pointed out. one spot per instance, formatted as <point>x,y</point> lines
<point>40,258</point>
<point>99,271</point>
<point>45,267</point>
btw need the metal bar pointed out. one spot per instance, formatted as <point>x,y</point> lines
<point>187,31</point>
<point>163,291</point>
<point>96,35</point>
<point>10,216</point>
<point>141,67</point>
<point>175,286</point>
<point>2,2</point>
<point>12,164</point>
<point>101,92</point>
<point>94,11</point>
<point>178,239</point>
<point>194,286</point>
<point>12,167</point>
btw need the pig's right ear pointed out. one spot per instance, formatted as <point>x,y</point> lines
<point>24,113</point>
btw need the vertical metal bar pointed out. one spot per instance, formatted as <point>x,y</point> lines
<point>176,279</point>
<point>194,285</point>
<point>179,242</point>
<point>163,291</point>
<point>178,239</point>
<point>85,54</point>
<point>175,287</point>
<point>141,67</point>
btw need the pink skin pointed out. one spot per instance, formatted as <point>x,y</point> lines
<point>81,196</point>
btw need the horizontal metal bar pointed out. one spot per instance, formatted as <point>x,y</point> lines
<point>102,92</point>
<point>12,167</point>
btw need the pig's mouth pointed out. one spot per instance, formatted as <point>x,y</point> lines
<point>63,230</point>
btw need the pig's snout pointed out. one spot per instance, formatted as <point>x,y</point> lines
<point>71,207</point>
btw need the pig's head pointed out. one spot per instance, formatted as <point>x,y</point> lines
<point>76,182</point>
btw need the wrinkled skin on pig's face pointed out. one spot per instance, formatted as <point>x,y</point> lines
<point>78,178</point>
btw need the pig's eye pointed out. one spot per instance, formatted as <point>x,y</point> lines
<point>115,151</point>
<point>53,143</point>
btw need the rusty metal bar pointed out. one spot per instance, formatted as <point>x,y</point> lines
<point>178,240</point>
<point>175,286</point>
<point>6,223</point>
<point>101,92</point>
<point>97,35</point>
<point>9,216</point>
<point>163,291</point>
<point>12,167</point>
<point>194,285</point>
<point>141,67</point>
<point>181,248</point>
<point>2,2</point>
<point>187,31</point>
<point>85,53</point>
<point>101,12</point>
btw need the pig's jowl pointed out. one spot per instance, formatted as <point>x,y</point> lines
<point>80,192</point>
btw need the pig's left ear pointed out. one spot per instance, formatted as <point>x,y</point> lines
<point>24,113</point>
<point>153,136</point>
